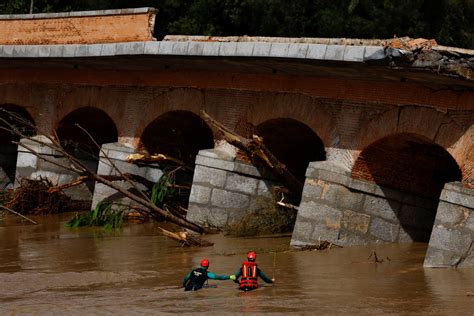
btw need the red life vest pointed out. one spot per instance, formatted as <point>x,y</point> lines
<point>249,278</point>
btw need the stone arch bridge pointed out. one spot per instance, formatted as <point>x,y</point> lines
<point>383,143</point>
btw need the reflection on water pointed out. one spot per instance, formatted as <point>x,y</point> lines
<point>49,269</point>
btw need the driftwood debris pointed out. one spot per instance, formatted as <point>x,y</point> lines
<point>259,153</point>
<point>76,166</point>
<point>158,158</point>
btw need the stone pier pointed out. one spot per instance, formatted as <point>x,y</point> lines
<point>224,189</point>
<point>346,211</point>
<point>31,167</point>
<point>451,242</point>
<point>118,154</point>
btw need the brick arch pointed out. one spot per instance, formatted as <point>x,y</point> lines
<point>179,134</point>
<point>409,163</point>
<point>294,143</point>
<point>164,101</point>
<point>298,107</point>
<point>18,116</point>
<point>95,121</point>
<point>427,123</point>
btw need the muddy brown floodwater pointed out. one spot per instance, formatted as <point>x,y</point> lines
<point>52,270</point>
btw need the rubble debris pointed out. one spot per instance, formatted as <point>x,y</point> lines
<point>425,54</point>
<point>33,196</point>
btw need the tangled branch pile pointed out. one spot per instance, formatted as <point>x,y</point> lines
<point>34,197</point>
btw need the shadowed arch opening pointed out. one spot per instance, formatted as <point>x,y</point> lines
<point>11,115</point>
<point>293,143</point>
<point>95,121</point>
<point>178,134</point>
<point>411,164</point>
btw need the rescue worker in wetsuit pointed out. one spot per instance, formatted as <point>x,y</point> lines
<point>249,274</point>
<point>195,279</point>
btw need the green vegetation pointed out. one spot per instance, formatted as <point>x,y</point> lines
<point>103,215</point>
<point>447,21</point>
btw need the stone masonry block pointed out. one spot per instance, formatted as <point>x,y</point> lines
<point>247,169</point>
<point>451,214</point>
<point>323,232</point>
<point>211,49</point>
<point>302,231</point>
<point>108,49</point>
<point>261,49</point>
<point>335,52</point>
<point>334,177</point>
<point>347,199</point>
<point>466,200</point>
<point>312,173</point>
<point>227,49</point>
<point>151,48</point>
<point>7,50</point>
<point>218,217</point>
<point>374,52</point>
<point>81,51</point>
<point>44,50</point>
<point>55,50</point>
<point>354,53</point>
<point>215,163</point>
<point>330,193</point>
<point>316,51</point>
<point>312,189</point>
<point>450,240</point>
<point>210,176</point>
<point>354,221</point>
<point>200,194</point>
<point>166,48</point>
<point>384,230</point>
<point>279,49</point>
<point>381,207</point>
<point>297,50</point>
<point>264,189</point>
<point>70,50</point>
<point>363,186</point>
<point>225,199</point>
<point>349,238</point>
<point>180,48</point>
<point>198,214</point>
<point>241,184</point>
<point>438,258</point>
<point>321,213</point>
<point>244,49</point>
<point>195,48</point>
<point>470,222</point>
<point>26,160</point>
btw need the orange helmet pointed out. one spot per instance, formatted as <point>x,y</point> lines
<point>205,263</point>
<point>251,255</point>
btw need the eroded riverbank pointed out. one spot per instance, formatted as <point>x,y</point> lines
<point>49,269</point>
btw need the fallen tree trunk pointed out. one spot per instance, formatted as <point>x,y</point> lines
<point>83,170</point>
<point>259,153</point>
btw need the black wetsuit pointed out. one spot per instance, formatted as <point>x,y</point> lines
<point>195,279</point>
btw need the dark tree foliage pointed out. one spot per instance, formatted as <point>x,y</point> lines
<point>450,22</point>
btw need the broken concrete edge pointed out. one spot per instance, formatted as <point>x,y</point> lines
<point>57,15</point>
